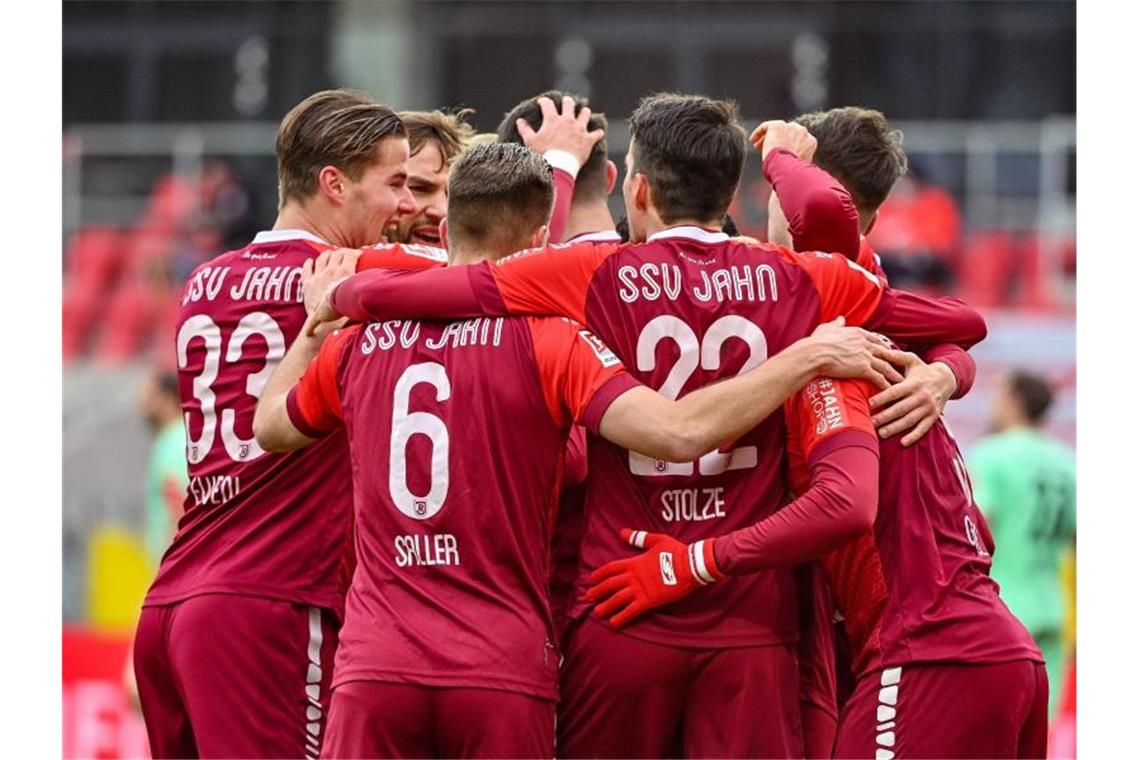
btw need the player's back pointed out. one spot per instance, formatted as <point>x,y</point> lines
<point>457,454</point>
<point>684,309</point>
<point>916,587</point>
<point>254,522</point>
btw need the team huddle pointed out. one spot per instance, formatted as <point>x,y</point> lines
<point>477,471</point>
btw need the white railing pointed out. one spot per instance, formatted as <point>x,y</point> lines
<point>981,143</point>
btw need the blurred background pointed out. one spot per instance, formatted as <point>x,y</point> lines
<point>169,114</point>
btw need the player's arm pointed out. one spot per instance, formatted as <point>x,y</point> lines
<point>301,401</point>
<point>845,288</point>
<point>820,211</point>
<point>839,504</point>
<point>548,281</point>
<point>679,431</point>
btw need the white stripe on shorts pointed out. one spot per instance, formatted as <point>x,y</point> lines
<point>314,711</point>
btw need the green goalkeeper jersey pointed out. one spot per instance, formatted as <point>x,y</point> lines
<point>1025,483</point>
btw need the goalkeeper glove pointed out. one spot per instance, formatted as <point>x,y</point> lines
<point>666,572</point>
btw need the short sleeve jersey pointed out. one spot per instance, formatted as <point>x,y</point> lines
<point>254,522</point>
<point>916,587</point>
<point>456,435</point>
<point>684,309</point>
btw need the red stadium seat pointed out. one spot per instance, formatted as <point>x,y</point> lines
<point>127,323</point>
<point>1042,261</point>
<point>987,268</point>
<point>95,256</point>
<point>80,307</point>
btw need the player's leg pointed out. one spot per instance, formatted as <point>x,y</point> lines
<point>859,717</point>
<point>379,719</point>
<point>1034,739</point>
<point>989,703</point>
<point>744,702</point>
<point>491,723</point>
<point>167,722</point>
<point>255,674</point>
<point>621,697</point>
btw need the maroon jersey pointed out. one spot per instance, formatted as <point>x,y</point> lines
<point>254,523</point>
<point>916,588</point>
<point>457,432</point>
<point>685,309</point>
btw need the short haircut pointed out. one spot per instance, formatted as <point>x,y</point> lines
<point>337,128</point>
<point>591,181</point>
<point>691,149</point>
<point>858,148</point>
<point>498,194</point>
<point>1032,392</point>
<point>450,131</point>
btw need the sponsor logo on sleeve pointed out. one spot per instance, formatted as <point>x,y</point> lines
<point>607,357</point>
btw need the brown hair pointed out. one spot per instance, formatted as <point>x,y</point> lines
<point>498,195</point>
<point>1033,394</point>
<point>337,128</point>
<point>591,181</point>
<point>449,130</point>
<point>691,149</point>
<point>858,148</point>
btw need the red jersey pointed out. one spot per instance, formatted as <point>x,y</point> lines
<point>683,309</point>
<point>916,588</point>
<point>254,522</point>
<point>457,433</point>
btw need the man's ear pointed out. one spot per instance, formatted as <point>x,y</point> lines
<point>540,237</point>
<point>443,231</point>
<point>331,183</point>
<point>611,176</point>
<point>871,224</point>
<point>641,194</point>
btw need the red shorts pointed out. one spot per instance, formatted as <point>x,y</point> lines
<point>960,711</point>
<point>624,697</point>
<point>226,675</point>
<point>382,719</point>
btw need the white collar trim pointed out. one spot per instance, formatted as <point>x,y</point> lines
<point>280,236</point>
<point>601,236</point>
<point>690,231</point>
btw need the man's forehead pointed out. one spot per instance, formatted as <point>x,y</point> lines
<point>428,160</point>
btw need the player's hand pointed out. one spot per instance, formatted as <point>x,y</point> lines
<point>852,352</point>
<point>561,130</point>
<point>915,404</point>
<point>783,134</point>
<point>331,266</point>
<point>319,277</point>
<point>666,572</point>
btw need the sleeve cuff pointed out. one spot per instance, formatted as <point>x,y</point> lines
<point>297,417</point>
<point>841,440</point>
<point>560,159</point>
<point>605,395</point>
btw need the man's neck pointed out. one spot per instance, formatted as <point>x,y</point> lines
<point>593,217</point>
<point>655,225</point>
<point>293,216</point>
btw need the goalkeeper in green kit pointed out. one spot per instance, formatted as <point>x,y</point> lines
<point>1025,482</point>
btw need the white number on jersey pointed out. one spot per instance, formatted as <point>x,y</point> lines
<point>405,424</point>
<point>202,326</point>
<point>704,353</point>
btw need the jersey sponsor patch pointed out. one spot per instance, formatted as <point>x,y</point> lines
<point>607,357</point>
<point>426,251</point>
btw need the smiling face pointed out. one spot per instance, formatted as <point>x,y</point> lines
<point>379,195</point>
<point>427,181</point>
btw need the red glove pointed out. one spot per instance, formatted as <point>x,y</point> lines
<point>667,572</point>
